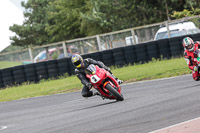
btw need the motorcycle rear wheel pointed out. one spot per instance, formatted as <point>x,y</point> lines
<point>115,93</point>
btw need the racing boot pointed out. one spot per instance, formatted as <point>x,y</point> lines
<point>96,93</point>
<point>119,81</point>
<point>195,74</point>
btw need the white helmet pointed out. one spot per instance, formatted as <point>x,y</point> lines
<point>188,43</point>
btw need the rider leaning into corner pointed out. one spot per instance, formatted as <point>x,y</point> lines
<point>80,66</point>
<point>189,48</point>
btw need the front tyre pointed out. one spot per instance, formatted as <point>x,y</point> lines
<point>115,93</point>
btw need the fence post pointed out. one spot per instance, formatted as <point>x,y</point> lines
<point>133,35</point>
<point>65,49</point>
<point>168,31</point>
<point>98,42</point>
<point>47,53</point>
<point>20,57</point>
<point>30,54</point>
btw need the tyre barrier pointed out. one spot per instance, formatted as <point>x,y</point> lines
<point>7,77</point>
<point>41,70</point>
<point>152,50</point>
<point>1,82</point>
<point>30,73</point>
<point>130,54</point>
<point>97,56</point>
<point>141,53</point>
<point>118,54</point>
<point>176,47</point>
<point>19,74</point>
<point>107,57</point>
<point>52,68</point>
<point>63,66</point>
<point>196,37</point>
<point>164,49</point>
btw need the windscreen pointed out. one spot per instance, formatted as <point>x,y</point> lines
<point>91,69</point>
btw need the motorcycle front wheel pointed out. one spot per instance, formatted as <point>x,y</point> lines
<point>115,93</point>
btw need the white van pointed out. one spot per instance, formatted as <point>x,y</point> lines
<point>129,40</point>
<point>178,29</point>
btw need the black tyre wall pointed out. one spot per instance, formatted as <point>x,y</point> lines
<point>52,68</point>
<point>19,74</point>
<point>1,81</point>
<point>152,50</point>
<point>41,70</point>
<point>141,53</point>
<point>72,68</point>
<point>196,37</point>
<point>63,66</point>
<point>118,54</point>
<point>30,73</point>
<point>107,57</point>
<point>7,77</point>
<point>97,56</point>
<point>164,49</point>
<point>130,54</point>
<point>176,48</point>
<point>86,56</point>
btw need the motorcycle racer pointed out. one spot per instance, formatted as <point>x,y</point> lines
<point>189,49</point>
<point>80,66</point>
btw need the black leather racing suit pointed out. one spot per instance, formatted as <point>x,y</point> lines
<point>80,73</point>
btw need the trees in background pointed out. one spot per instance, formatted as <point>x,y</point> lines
<point>32,31</point>
<point>48,21</point>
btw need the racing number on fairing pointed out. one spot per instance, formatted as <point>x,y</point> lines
<point>95,79</point>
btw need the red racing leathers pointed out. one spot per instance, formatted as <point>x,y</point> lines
<point>189,57</point>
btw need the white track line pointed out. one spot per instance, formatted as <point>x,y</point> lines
<point>185,122</point>
<point>3,127</point>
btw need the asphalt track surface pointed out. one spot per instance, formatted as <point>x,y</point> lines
<point>148,106</point>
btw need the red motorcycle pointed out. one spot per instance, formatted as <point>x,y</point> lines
<point>197,58</point>
<point>104,83</point>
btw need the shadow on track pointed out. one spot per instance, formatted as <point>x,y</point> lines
<point>96,106</point>
<point>190,86</point>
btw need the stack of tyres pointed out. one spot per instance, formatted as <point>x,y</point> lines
<point>176,47</point>
<point>152,50</point>
<point>182,37</point>
<point>164,49</point>
<point>96,56</point>
<point>196,37</point>
<point>141,53</point>
<point>19,74</point>
<point>85,56</point>
<point>30,73</point>
<point>118,54</point>
<point>1,81</point>
<point>130,54</point>
<point>41,69</point>
<point>7,77</point>
<point>72,68</point>
<point>63,66</point>
<point>52,68</point>
<point>107,57</point>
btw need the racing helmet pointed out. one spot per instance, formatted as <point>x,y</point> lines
<point>188,43</point>
<point>77,61</point>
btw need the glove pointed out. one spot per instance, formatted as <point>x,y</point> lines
<point>89,85</point>
<point>195,68</point>
<point>107,69</point>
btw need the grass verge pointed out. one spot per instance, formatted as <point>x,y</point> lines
<point>152,70</point>
<point>7,64</point>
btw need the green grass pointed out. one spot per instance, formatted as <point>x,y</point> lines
<point>151,70</point>
<point>7,64</point>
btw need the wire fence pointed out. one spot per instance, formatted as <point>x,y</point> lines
<point>100,42</point>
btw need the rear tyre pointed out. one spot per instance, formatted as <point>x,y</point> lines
<point>115,93</point>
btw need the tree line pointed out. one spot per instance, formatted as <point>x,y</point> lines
<point>48,21</point>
